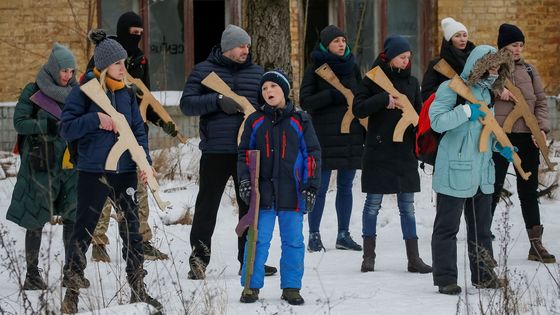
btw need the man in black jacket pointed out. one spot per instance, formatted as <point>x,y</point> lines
<point>129,33</point>
<point>220,119</point>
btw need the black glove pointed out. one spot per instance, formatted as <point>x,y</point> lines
<point>227,104</point>
<point>309,196</point>
<point>168,127</point>
<point>52,126</point>
<point>338,97</point>
<point>245,191</point>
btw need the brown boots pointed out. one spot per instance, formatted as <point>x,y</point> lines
<point>415,263</point>
<point>368,263</point>
<point>537,251</point>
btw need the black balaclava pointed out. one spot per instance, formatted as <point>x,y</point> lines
<point>128,41</point>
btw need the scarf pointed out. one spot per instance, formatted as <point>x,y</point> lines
<point>49,85</point>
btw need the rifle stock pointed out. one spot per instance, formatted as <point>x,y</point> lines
<point>126,140</point>
<point>409,114</point>
<point>215,83</point>
<point>328,75</point>
<point>251,219</point>
<point>520,110</point>
<point>489,124</point>
<point>148,99</point>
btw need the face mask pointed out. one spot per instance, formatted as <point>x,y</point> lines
<point>488,81</point>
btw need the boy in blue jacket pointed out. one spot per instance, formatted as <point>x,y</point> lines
<point>289,179</point>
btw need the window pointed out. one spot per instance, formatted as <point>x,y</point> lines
<point>360,27</point>
<point>403,19</point>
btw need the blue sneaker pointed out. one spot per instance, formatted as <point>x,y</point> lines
<point>315,244</point>
<point>344,241</point>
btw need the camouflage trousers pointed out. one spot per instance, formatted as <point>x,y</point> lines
<point>100,234</point>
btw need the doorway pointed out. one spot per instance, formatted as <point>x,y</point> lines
<point>208,18</point>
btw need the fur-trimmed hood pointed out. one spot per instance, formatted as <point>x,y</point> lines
<point>483,58</point>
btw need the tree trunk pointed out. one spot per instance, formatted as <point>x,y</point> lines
<point>268,24</point>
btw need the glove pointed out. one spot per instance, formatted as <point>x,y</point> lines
<point>227,104</point>
<point>506,152</point>
<point>476,113</point>
<point>52,126</point>
<point>309,196</point>
<point>168,127</point>
<point>245,191</point>
<point>338,97</point>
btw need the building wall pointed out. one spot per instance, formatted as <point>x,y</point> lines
<point>28,28</point>
<point>537,19</point>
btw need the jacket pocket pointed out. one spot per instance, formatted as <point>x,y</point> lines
<point>491,172</point>
<point>460,174</point>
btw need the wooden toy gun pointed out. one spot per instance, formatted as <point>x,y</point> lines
<point>251,219</point>
<point>328,75</point>
<point>409,115</point>
<point>126,140</point>
<point>149,100</point>
<point>214,82</point>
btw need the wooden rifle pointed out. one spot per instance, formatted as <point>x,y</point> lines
<point>126,140</point>
<point>251,219</point>
<point>214,82</point>
<point>148,99</point>
<point>328,75</point>
<point>409,114</point>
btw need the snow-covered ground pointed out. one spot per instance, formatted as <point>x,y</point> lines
<point>332,283</point>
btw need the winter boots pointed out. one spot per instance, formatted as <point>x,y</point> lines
<point>537,251</point>
<point>344,241</point>
<point>70,302</point>
<point>315,244</point>
<point>138,290</point>
<point>249,296</point>
<point>450,289</point>
<point>99,253</point>
<point>198,269</point>
<point>415,263</point>
<point>368,263</point>
<point>34,281</point>
<point>152,253</point>
<point>292,296</point>
<point>75,281</point>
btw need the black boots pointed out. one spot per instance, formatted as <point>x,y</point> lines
<point>138,290</point>
<point>415,263</point>
<point>450,289</point>
<point>292,296</point>
<point>537,251</point>
<point>368,263</point>
<point>33,280</point>
<point>249,296</point>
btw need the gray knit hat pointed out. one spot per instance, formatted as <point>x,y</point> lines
<point>60,58</point>
<point>234,36</point>
<point>107,51</point>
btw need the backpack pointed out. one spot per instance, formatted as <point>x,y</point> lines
<point>427,140</point>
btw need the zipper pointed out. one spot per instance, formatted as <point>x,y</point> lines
<point>283,144</point>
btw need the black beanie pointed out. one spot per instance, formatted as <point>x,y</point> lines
<point>128,41</point>
<point>395,45</point>
<point>329,33</point>
<point>508,34</point>
<point>279,77</point>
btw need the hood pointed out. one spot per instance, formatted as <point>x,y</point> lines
<point>481,59</point>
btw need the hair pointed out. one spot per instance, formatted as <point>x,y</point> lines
<point>103,78</point>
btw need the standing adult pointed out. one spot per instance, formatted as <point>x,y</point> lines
<point>129,33</point>
<point>46,181</point>
<point>96,131</point>
<point>527,79</point>
<point>464,176</point>
<point>340,152</point>
<point>455,48</point>
<point>389,167</point>
<point>220,119</point>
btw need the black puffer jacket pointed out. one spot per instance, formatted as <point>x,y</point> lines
<point>290,156</point>
<point>327,108</point>
<point>455,58</point>
<point>388,167</point>
<point>218,130</point>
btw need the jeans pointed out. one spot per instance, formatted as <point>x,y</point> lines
<point>405,203</point>
<point>343,203</point>
<point>293,248</point>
